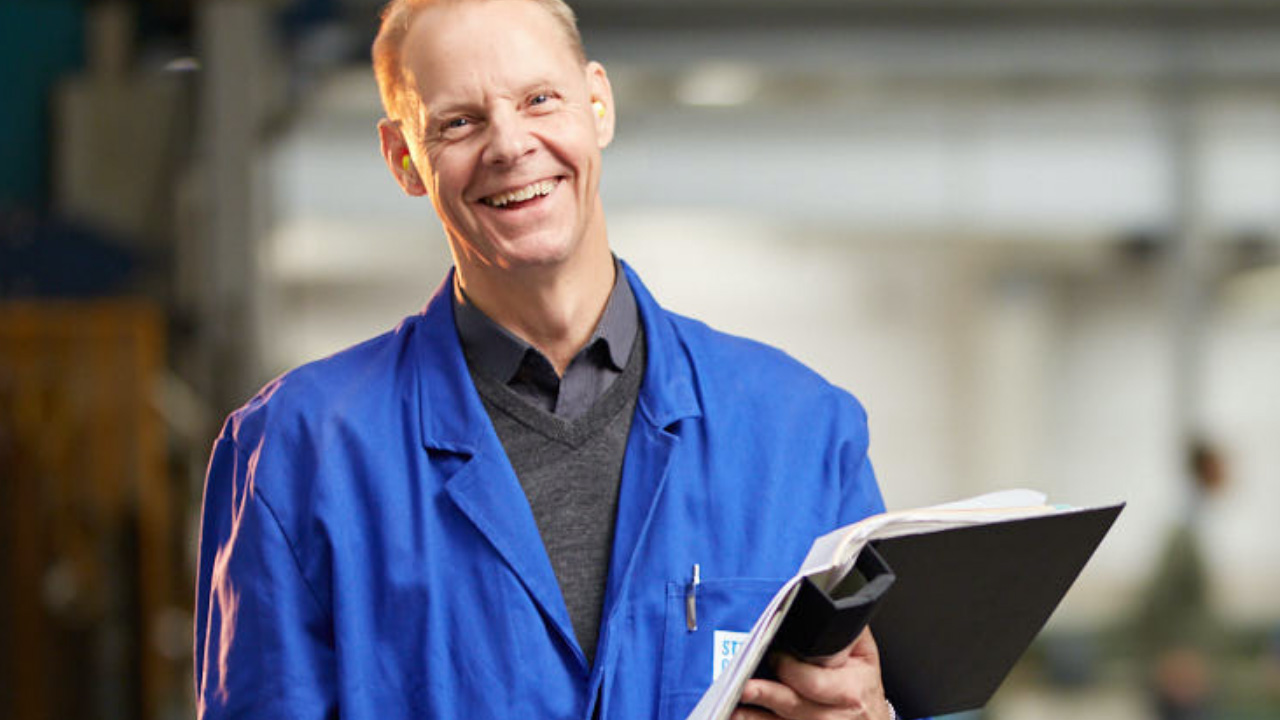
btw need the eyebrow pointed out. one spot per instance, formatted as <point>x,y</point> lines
<point>538,84</point>
<point>451,107</point>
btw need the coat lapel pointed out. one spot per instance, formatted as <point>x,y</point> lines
<point>667,396</point>
<point>463,447</point>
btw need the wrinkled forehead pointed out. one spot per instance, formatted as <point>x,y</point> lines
<point>464,46</point>
<point>456,25</point>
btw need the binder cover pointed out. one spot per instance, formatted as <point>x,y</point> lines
<point>951,610</point>
<point>969,601</point>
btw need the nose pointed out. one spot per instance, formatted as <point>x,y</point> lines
<point>509,138</point>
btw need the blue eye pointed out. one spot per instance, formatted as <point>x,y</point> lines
<point>454,123</point>
<point>539,99</point>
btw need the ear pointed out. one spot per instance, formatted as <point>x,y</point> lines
<point>601,92</point>
<point>395,150</point>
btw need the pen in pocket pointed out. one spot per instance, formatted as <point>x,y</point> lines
<point>691,601</point>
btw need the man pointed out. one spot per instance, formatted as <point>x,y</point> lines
<point>544,495</point>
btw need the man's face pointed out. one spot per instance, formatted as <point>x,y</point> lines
<point>506,127</point>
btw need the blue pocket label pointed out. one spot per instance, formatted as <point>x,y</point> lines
<point>727,644</point>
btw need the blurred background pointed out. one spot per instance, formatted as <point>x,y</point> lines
<point>1039,239</point>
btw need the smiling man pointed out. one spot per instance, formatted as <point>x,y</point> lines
<point>544,496</point>
<point>493,107</point>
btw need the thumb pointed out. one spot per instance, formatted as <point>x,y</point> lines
<point>864,647</point>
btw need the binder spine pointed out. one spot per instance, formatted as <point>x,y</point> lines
<point>818,625</point>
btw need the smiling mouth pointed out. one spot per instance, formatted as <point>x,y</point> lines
<point>518,196</point>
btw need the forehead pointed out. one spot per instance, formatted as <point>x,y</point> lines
<point>485,44</point>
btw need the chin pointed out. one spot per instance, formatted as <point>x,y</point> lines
<point>544,251</point>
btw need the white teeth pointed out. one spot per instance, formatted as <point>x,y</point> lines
<point>542,187</point>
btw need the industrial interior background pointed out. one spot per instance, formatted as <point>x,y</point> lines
<point>1039,239</point>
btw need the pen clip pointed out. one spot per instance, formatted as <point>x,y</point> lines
<point>691,600</point>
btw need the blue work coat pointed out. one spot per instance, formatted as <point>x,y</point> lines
<point>366,550</point>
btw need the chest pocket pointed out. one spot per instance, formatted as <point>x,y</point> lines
<point>689,657</point>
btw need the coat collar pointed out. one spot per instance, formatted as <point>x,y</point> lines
<point>452,416</point>
<point>667,393</point>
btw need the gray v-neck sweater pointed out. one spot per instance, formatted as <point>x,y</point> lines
<point>570,471</point>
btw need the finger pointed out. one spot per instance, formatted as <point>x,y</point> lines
<point>782,701</point>
<point>752,713</point>
<point>852,683</point>
<point>826,686</point>
<point>835,660</point>
<point>864,646</point>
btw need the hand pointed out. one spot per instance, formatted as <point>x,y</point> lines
<point>846,686</point>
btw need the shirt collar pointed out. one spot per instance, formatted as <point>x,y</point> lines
<point>497,353</point>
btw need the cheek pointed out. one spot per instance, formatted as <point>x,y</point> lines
<point>570,138</point>
<point>445,195</point>
<point>448,170</point>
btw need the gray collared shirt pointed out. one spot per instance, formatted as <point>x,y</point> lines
<point>499,355</point>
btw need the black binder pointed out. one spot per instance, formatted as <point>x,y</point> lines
<point>951,610</point>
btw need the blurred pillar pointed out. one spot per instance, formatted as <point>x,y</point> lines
<point>221,270</point>
<point>1188,252</point>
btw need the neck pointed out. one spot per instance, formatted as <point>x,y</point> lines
<point>554,308</point>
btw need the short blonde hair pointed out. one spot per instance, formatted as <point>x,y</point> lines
<point>388,47</point>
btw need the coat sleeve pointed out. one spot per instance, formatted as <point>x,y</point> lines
<point>861,496</point>
<point>860,492</point>
<point>264,640</point>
